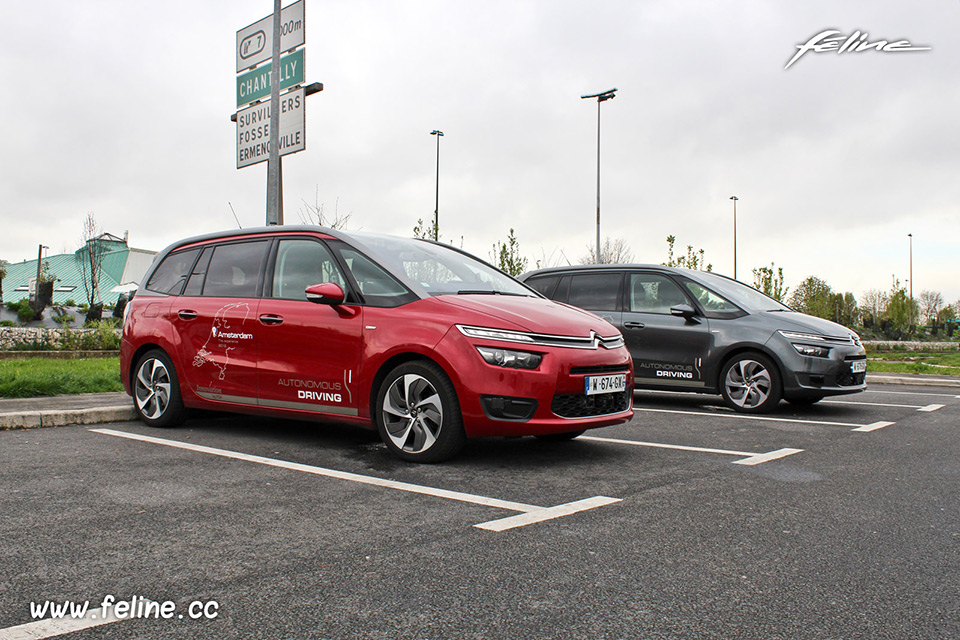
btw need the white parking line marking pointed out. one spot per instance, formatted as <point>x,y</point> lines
<point>750,459</point>
<point>548,513</point>
<point>767,457</point>
<point>874,404</point>
<point>52,627</point>
<point>874,426</point>
<point>555,512</point>
<point>741,416</point>
<point>931,407</point>
<point>912,393</point>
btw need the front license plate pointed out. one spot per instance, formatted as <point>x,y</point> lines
<point>858,366</point>
<point>612,383</point>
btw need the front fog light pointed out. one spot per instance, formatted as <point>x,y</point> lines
<point>510,358</point>
<point>813,352</point>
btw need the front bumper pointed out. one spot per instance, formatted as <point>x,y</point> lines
<point>502,401</point>
<point>809,376</point>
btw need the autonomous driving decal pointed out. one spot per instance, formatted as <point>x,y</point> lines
<point>665,370</point>
<point>320,390</point>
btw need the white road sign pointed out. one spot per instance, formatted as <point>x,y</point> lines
<point>255,43</point>
<point>253,129</point>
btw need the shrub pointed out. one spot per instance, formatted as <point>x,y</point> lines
<point>33,345</point>
<point>25,312</point>
<point>7,323</point>
<point>64,319</point>
<point>104,337</point>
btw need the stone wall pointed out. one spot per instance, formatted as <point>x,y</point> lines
<point>16,337</point>
<point>893,345</point>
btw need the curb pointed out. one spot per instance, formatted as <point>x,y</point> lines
<point>35,419</point>
<point>914,381</point>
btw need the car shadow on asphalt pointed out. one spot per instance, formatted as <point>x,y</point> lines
<point>696,402</point>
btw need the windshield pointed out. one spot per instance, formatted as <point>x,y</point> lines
<point>743,295</point>
<point>440,269</point>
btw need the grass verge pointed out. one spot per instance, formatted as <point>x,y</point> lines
<point>936,363</point>
<point>36,377</point>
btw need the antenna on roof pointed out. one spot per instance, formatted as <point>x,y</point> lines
<point>235,215</point>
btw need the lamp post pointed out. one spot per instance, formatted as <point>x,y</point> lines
<point>734,198</point>
<point>610,94</point>
<point>436,206</point>
<point>910,235</point>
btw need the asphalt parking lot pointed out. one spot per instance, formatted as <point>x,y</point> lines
<point>838,520</point>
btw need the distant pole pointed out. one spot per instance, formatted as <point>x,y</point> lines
<point>910,235</point>
<point>601,97</point>
<point>734,198</point>
<point>36,286</point>
<point>274,178</point>
<point>436,202</point>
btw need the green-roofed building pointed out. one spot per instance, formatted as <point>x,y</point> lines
<point>121,268</point>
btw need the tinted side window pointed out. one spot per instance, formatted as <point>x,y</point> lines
<point>378,287</point>
<point>714,305</point>
<point>172,272</point>
<point>653,293</point>
<point>546,285</point>
<point>234,270</point>
<point>595,291</point>
<point>300,264</point>
<point>195,283</point>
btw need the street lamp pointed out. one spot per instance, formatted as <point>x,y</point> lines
<point>734,198</point>
<point>610,94</point>
<point>910,235</point>
<point>436,206</point>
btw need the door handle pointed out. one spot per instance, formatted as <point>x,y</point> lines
<point>633,325</point>
<point>270,319</point>
<point>186,314</point>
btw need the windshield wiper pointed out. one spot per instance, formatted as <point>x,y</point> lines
<point>488,292</point>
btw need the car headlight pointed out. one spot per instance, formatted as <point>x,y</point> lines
<point>812,351</point>
<point>495,334</point>
<point>510,358</point>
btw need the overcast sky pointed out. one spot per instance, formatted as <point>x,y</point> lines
<point>122,109</point>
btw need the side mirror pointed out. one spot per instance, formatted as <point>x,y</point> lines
<point>325,293</point>
<point>683,311</point>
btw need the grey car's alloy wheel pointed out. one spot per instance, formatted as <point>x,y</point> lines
<point>750,383</point>
<point>418,415</point>
<point>156,390</point>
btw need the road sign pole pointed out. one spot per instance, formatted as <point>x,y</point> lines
<point>274,184</point>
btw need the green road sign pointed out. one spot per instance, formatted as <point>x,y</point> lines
<point>255,84</point>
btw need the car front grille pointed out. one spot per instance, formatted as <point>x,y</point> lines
<point>583,406</point>
<point>599,369</point>
<point>846,378</point>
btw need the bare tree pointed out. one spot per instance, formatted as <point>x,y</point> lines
<point>613,251</point>
<point>930,304</point>
<point>315,214</point>
<point>3,274</point>
<point>874,303</point>
<point>556,258</point>
<point>92,250</point>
